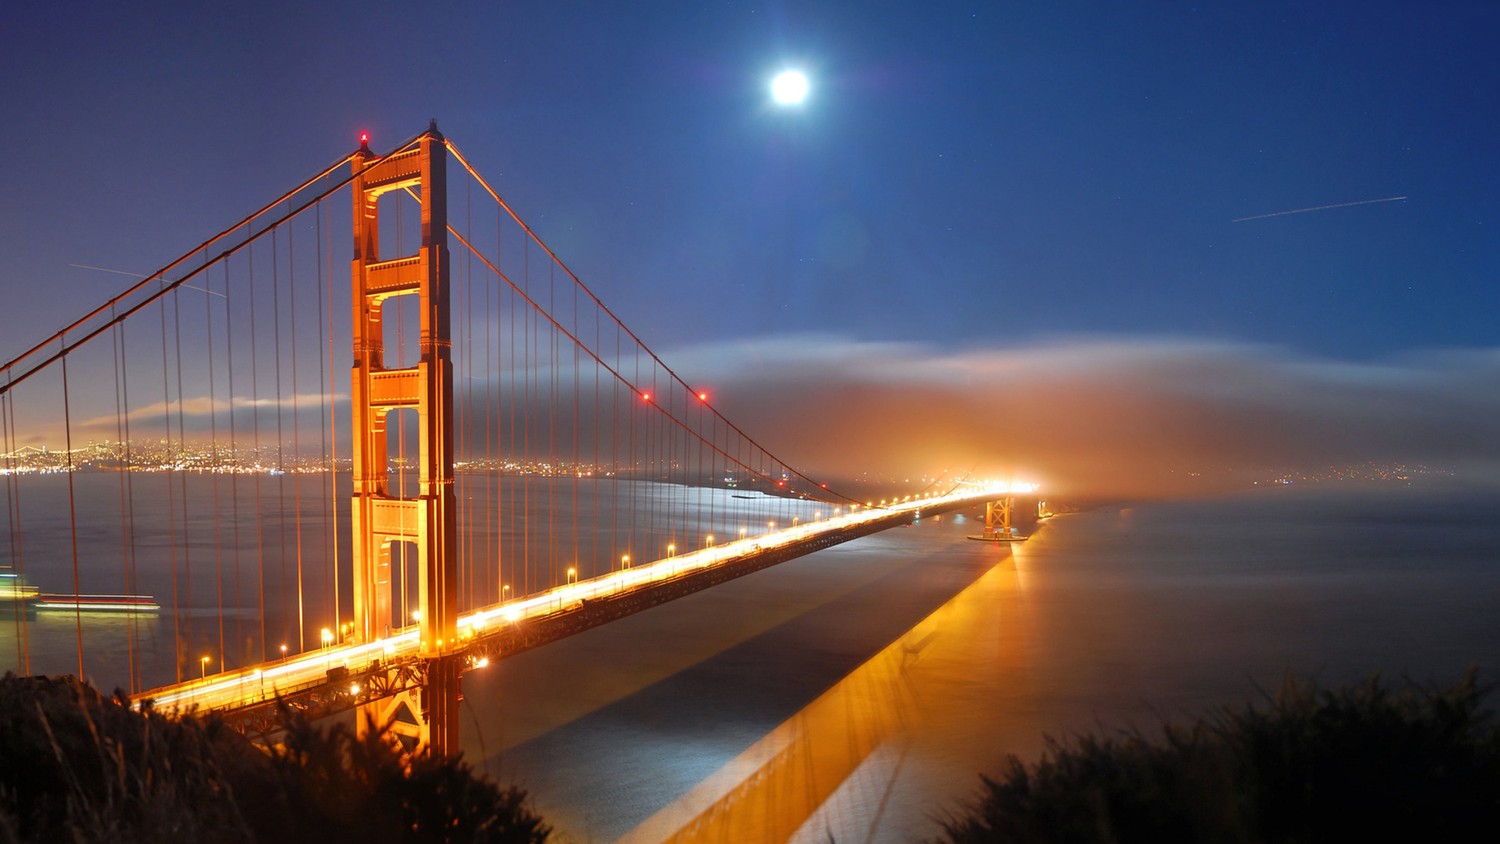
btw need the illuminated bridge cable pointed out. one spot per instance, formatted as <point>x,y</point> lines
<point>35,359</point>
<point>764,472</point>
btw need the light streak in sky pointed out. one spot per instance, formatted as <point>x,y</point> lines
<point>138,275</point>
<point>1317,208</point>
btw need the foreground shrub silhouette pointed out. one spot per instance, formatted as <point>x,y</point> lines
<point>1362,763</point>
<point>76,766</point>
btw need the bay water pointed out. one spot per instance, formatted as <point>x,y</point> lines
<point>858,692</point>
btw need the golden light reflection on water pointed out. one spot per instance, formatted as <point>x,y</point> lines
<point>619,665</point>
<point>893,724</point>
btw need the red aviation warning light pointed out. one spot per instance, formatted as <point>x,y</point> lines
<point>646,396</point>
<point>703,397</point>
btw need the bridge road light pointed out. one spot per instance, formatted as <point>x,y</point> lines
<point>710,539</point>
<point>505,592</point>
<point>624,562</point>
<point>671,550</point>
<point>572,575</point>
<point>327,637</point>
<point>283,652</point>
<point>203,668</point>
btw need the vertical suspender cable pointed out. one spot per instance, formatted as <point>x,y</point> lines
<point>463,408</point>
<point>518,545</point>
<point>72,516</point>
<point>131,625</point>
<point>505,440</point>
<point>216,457</point>
<point>491,558</point>
<point>551,478</point>
<point>234,445</point>
<point>291,282</point>
<point>330,444</point>
<point>281,597</point>
<point>180,467</point>
<point>527,339</point>
<point>129,478</point>
<point>577,469</point>
<point>260,538</point>
<point>166,397</point>
<point>325,423</point>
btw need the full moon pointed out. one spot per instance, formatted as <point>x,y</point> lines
<point>789,87</point>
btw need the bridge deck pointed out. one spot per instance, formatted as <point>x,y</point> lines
<point>341,677</point>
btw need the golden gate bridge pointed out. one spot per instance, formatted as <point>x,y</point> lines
<point>505,463</point>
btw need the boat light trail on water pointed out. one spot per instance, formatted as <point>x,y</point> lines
<point>1318,208</point>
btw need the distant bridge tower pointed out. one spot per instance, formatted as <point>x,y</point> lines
<point>425,525</point>
<point>997,527</point>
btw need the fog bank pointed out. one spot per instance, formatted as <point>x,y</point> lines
<point>1131,416</point>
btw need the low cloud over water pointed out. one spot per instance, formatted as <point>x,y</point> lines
<point>1138,416</point>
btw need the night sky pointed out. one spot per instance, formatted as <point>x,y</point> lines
<point>1011,224</point>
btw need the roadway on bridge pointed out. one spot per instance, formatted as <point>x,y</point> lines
<point>250,686</point>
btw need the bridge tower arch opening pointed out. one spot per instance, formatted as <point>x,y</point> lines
<point>381,385</point>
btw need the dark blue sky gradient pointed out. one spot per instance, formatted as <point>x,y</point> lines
<point>968,174</point>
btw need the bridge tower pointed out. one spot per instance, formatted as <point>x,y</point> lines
<point>426,525</point>
<point>997,527</point>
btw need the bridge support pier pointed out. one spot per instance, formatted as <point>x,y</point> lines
<point>423,719</point>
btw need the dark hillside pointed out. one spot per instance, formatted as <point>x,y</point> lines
<point>82,767</point>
